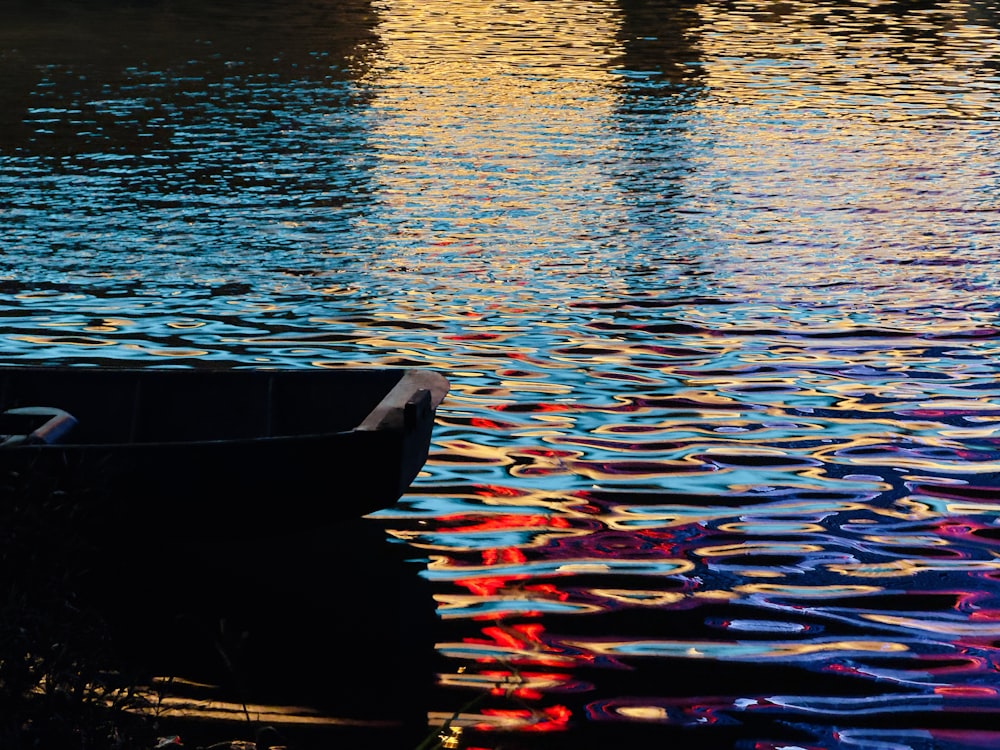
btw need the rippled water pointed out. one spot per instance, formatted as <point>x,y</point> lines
<point>715,284</point>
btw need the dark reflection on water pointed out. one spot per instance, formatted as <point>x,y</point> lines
<point>715,285</point>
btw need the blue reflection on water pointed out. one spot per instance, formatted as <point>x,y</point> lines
<point>715,288</point>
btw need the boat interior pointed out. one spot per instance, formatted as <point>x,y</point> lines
<point>115,406</point>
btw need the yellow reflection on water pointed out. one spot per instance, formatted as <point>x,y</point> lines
<point>770,527</point>
<point>850,124</point>
<point>667,516</point>
<point>639,597</point>
<point>837,65</point>
<point>644,713</point>
<point>450,606</point>
<point>902,568</point>
<point>957,627</point>
<point>485,123</point>
<point>759,548</point>
<point>742,650</point>
<point>807,592</point>
<point>64,340</point>
<point>171,698</point>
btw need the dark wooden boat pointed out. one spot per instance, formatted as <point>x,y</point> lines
<point>196,452</point>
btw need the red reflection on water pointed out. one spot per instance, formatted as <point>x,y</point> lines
<point>503,556</point>
<point>494,585</point>
<point>491,585</point>
<point>944,664</point>
<point>485,586</point>
<point>548,589</point>
<point>843,669</point>
<point>532,407</point>
<point>492,490</point>
<point>516,636</point>
<point>966,691</point>
<point>526,640</point>
<point>503,522</point>
<point>485,424</point>
<point>517,684</point>
<point>473,337</point>
<point>553,718</point>
<point>616,545</point>
<point>985,615</point>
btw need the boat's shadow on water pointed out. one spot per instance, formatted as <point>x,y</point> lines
<point>323,633</point>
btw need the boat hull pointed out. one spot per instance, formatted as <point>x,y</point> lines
<point>226,452</point>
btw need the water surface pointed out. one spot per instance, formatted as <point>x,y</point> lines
<point>715,285</point>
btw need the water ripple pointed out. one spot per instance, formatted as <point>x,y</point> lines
<point>715,286</point>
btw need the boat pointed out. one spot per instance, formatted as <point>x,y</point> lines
<point>201,452</point>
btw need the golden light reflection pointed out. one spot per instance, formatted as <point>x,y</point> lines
<point>934,508</point>
<point>901,568</point>
<point>498,108</point>
<point>759,548</point>
<point>562,567</point>
<point>716,595</point>
<point>737,650</point>
<point>668,516</point>
<point>468,452</point>
<point>521,603</point>
<point>486,498</point>
<point>499,681</point>
<point>916,539</point>
<point>484,652</point>
<point>770,527</point>
<point>639,597</point>
<point>644,713</point>
<point>836,66</point>
<point>92,342</point>
<point>807,592</point>
<point>86,341</point>
<point>909,509</point>
<point>843,128</point>
<point>961,628</point>
<point>887,569</point>
<point>163,698</point>
<point>495,719</point>
<point>179,352</point>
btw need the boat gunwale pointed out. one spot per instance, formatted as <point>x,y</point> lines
<point>387,416</point>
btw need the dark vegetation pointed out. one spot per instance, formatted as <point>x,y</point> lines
<point>74,677</point>
<point>60,685</point>
<point>65,681</point>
